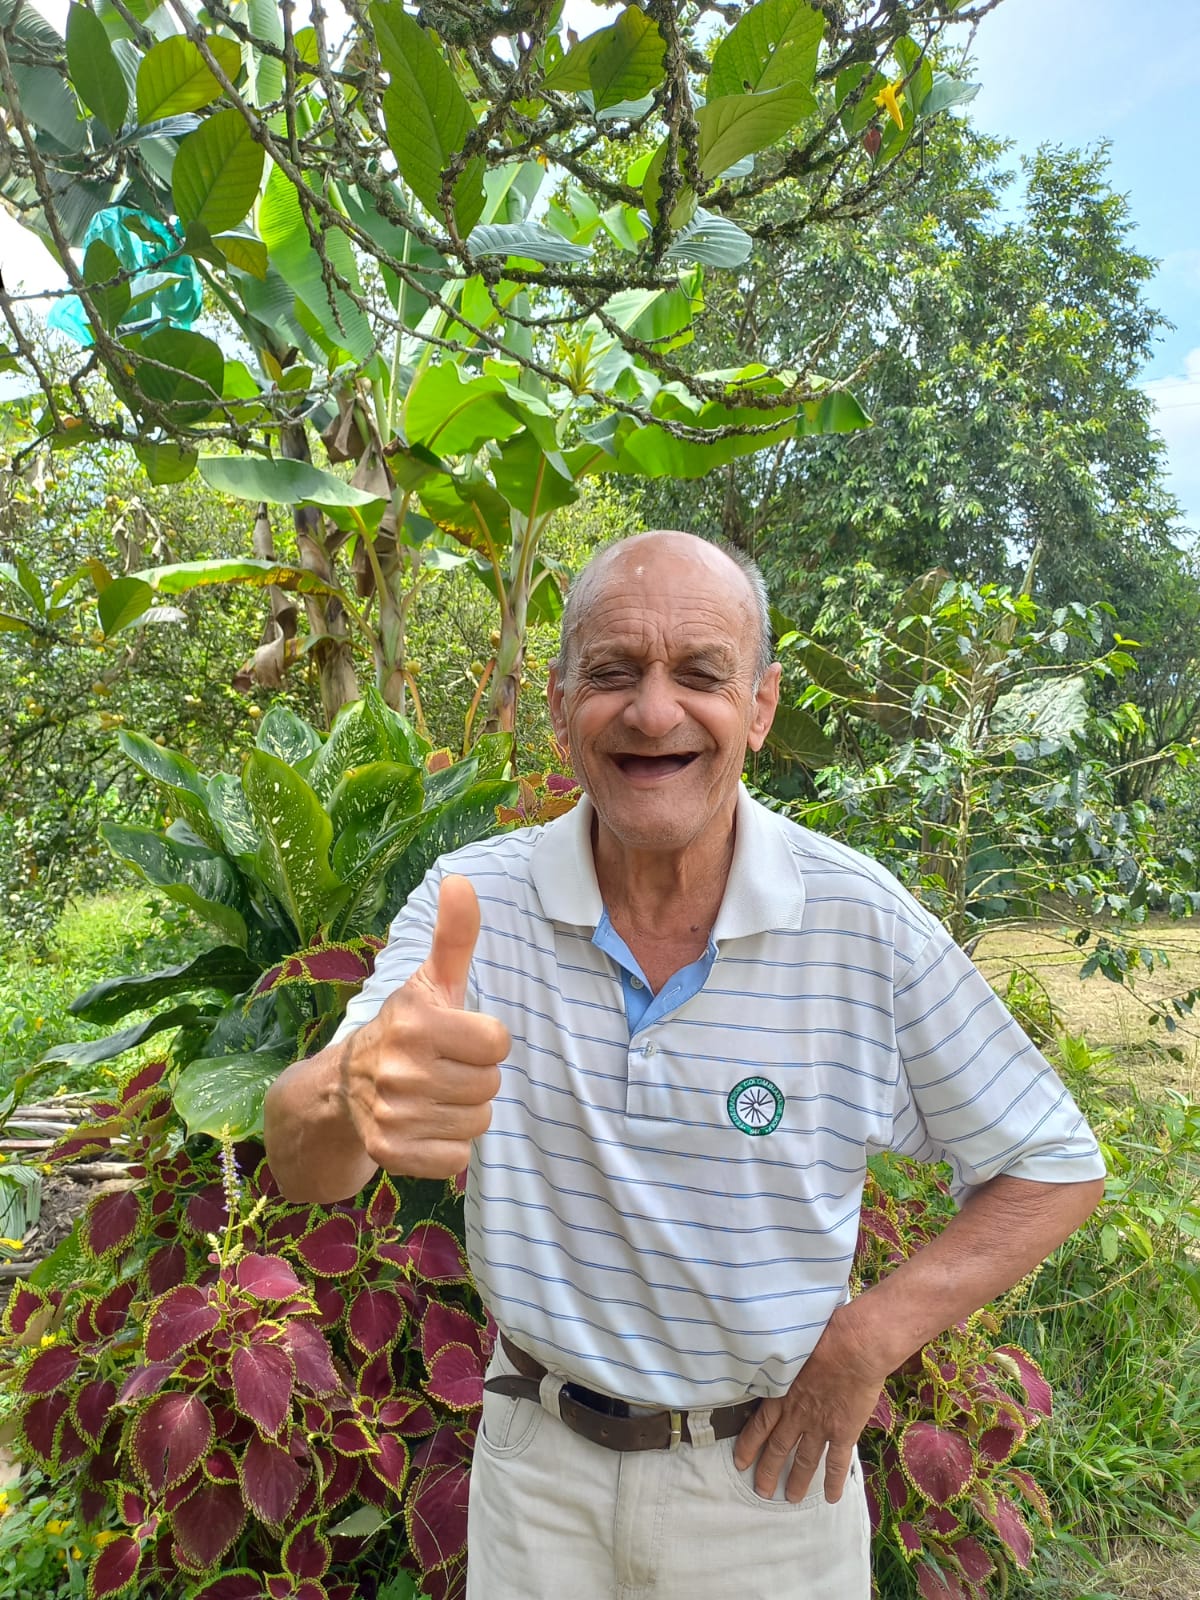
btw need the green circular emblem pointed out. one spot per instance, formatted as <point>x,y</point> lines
<point>755,1106</point>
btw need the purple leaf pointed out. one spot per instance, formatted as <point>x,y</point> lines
<point>1028,1486</point>
<point>49,1370</point>
<point>996,1445</point>
<point>1008,1525</point>
<point>306,1552</point>
<point>456,1378</point>
<point>110,1222</point>
<point>311,1354</point>
<point>392,1461</point>
<point>938,1461</point>
<point>40,1422</point>
<point>974,1560</point>
<point>143,1381</point>
<point>331,1249</point>
<point>884,1414</point>
<point>267,1278</point>
<point>115,1568</point>
<point>436,1514</point>
<point>208,1522</point>
<point>110,1315</point>
<point>271,1481</point>
<point>170,1437</point>
<point>240,1585</point>
<point>263,1377</point>
<point>93,1406</point>
<point>1030,1377</point>
<point>350,1438</point>
<point>436,1254</point>
<point>443,1325</point>
<point>183,1316</point>
<point>25,1304</point>
<point>376,1318</point>
<point>910,1539</point>
<point>935,1585</point>
<point>166,1268</point>
<point>384,1206</point>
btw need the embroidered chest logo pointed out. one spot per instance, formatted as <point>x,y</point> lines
<point>755,1106</point>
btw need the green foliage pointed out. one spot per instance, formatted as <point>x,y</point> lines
<point>1113,1319</point>
<point>298,867</point>
<point>43,1554</point>
<point>958,745</point>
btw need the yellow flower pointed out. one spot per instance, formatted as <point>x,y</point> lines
<point>56,1527</point>
<point>886,100</point>
<point>13,1244</point>
<point>106,1536</point>
<point>77,1552</point>
<point>49,1339</point>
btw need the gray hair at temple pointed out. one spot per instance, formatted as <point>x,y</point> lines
<point>578,594</point>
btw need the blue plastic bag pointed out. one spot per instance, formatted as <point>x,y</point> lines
<point>162,294</point>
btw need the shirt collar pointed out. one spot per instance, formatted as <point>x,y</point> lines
<point>765,887</point>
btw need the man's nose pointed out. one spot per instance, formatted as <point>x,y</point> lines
<point>654,709</point>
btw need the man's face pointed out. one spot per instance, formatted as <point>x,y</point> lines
<point>660,705</point>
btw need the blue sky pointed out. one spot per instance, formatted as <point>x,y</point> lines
<point>1071,72</point>
<point>1076,71</point>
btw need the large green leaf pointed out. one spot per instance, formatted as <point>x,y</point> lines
<point>280,481</point>
<point>201,880</point>
<point>365,731</point>
<point>367,794</point>
<point>1051,709</point>
<point>454,413</point>
<point>616,64</point>
<point>225,968</point>
<point>945,92</point>
<point>217,172</point>
<point>166,463</point>
<point>712,240</point>
<point>223,1095</point>
<point>836,412</point>
<point>798,736</point>
<point>427,115</point>
<point>733,126</point>
<point>89,1053</point>
<point>180,780</point>
<point>123,601</point>
<point>282,733</point>
<point>829,671</point>
<point>534,480</point>
<point>183,372</point>
<point>184,575</point>
<point>284,231</point>
<point>173,77</point>
<point>295,834</point>
<point>266,71</point>
<point>231,817</point>
<point>529,240</point>
<point>775,42</point>
<point>458,822</point>
<point>94,69</point>
<point>46,101</point>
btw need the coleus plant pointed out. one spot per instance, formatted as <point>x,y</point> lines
<point>949,1506</point>
<point>248,1391</point>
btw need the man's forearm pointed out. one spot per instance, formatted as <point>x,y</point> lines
<point>314,1151</point>
<point>1004,1230</point>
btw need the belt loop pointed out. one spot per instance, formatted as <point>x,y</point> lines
<point>700,1428</point>
<point>676,1430</point>
<point>549,1390</point>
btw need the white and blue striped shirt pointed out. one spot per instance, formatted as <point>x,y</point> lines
<point>641,1215</point>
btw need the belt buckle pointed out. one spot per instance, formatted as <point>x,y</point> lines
<point>676,1430</point>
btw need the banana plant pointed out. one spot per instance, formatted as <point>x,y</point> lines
<point>297,865</point>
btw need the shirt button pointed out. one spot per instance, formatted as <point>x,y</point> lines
<point>649,1048</point>
<point>637,983</point>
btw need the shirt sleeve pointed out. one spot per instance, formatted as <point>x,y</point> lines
<point>973,1089</point>
<point>410,938</point>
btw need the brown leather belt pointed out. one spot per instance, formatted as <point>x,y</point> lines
<point>605,1421</point>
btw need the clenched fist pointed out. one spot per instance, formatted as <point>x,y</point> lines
<point>420,1078</point>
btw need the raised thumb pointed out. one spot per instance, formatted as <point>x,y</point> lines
<point>454,936</point>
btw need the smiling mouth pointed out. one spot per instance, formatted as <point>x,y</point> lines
<point>649,767</point>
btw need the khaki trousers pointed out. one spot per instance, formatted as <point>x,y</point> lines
<point>553,1517</point>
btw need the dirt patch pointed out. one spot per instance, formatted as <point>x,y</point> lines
<point>1110,1015</point>
<point>62,1200</point>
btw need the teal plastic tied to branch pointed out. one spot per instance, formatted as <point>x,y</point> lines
<point>165,288</point>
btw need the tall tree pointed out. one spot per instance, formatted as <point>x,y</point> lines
<point>368,210</point>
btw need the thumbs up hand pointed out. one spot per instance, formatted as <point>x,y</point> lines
<point>420,1078</point>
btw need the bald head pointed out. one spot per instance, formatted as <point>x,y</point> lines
<point>628,564</point>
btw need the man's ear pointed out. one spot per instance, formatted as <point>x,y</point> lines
<point>766,703</point>
<point>555,698</point>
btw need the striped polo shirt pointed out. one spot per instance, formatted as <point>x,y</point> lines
<point>668,1211</point>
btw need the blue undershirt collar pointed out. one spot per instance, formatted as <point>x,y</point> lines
<point>642,1007</point>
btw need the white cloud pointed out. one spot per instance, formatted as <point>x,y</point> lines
<point>1177,418</point>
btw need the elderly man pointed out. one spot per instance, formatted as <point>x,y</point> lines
<point>681,1028</point>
